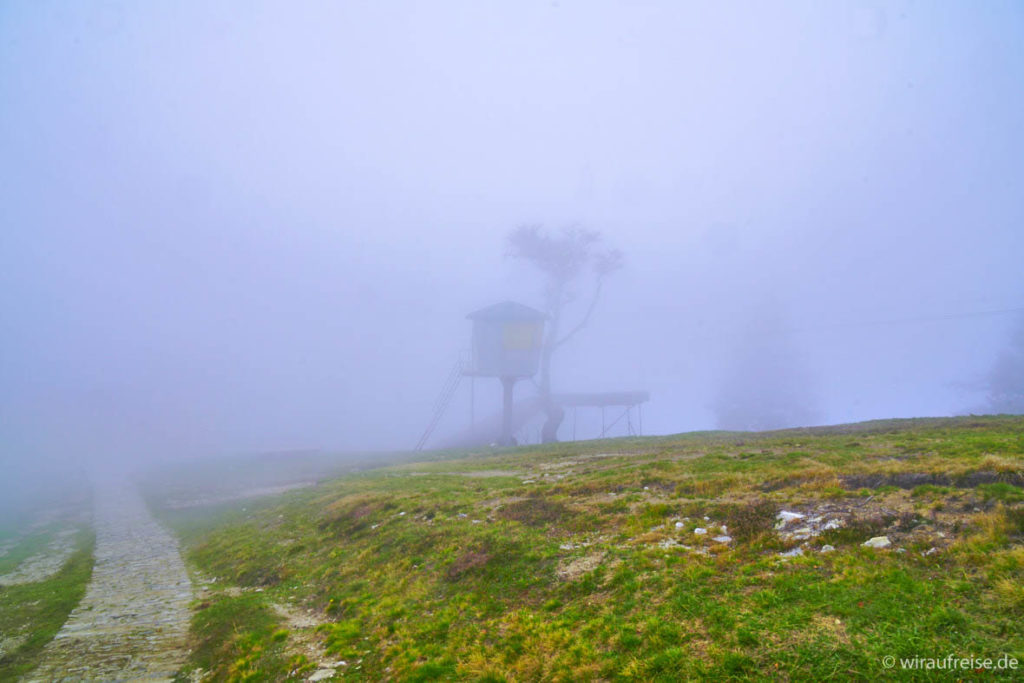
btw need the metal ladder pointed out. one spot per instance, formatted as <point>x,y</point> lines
<point>443,399</point>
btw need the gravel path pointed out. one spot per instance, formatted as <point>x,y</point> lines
<point>133,621</point>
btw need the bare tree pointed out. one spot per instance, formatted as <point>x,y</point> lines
<point>563,258</point>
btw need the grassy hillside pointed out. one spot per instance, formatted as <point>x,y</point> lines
<point>46,561</point>
<point>653,558</point>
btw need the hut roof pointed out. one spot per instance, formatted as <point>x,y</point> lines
<point>509,311</point>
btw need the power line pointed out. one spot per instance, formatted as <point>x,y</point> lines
<point>710,335</point>
<point>916,319</point>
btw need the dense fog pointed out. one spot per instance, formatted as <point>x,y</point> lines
<point>236,227</point>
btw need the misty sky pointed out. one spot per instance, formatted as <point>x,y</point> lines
<point>259,225</point>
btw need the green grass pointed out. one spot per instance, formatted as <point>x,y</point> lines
<point>34,612</point>
<point>240,639</point>
<point>574,568</point>
<point>27,546</point>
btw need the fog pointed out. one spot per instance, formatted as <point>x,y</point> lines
<point>235,227</point>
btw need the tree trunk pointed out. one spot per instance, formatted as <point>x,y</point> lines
<point>549,432</point>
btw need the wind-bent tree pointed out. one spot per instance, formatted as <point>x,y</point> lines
<point>564,259</point>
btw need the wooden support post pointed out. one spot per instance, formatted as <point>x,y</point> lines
<point>507,383</point>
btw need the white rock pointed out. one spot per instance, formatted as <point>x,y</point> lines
<point>931,551</point>
<point>722,539</point>
<point>827,548</point>
<point>877,542</point>
<point>831,524</point>
<point>700,531</point>
<point>706,518</point>
<point>321,675</point>
<point>679,525</point>
<point>795,552</point>
<point>786,516</point>
<point>901,550</point>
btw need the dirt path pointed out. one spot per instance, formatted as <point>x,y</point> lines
<point>133,621</point>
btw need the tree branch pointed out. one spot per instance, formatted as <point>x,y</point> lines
<point>586,316</point>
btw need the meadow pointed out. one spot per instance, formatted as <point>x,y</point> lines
<point>705,555</point>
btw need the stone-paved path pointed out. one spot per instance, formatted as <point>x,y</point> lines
<point>133,621</point>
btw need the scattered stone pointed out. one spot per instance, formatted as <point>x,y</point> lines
<point>679,525</point>
<point>901,550</point>
<point>827,548</point>
<point>877,542</point>
<point>795,552</point>
<point>722,539</point>
<point>811,525</point>
<point>785,517</point>
<point>321,675</point>
<point>931,551</point>
<point>700,531</point>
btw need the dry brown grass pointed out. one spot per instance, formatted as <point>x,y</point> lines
<point>466,563</point>
<point>534,512</point>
